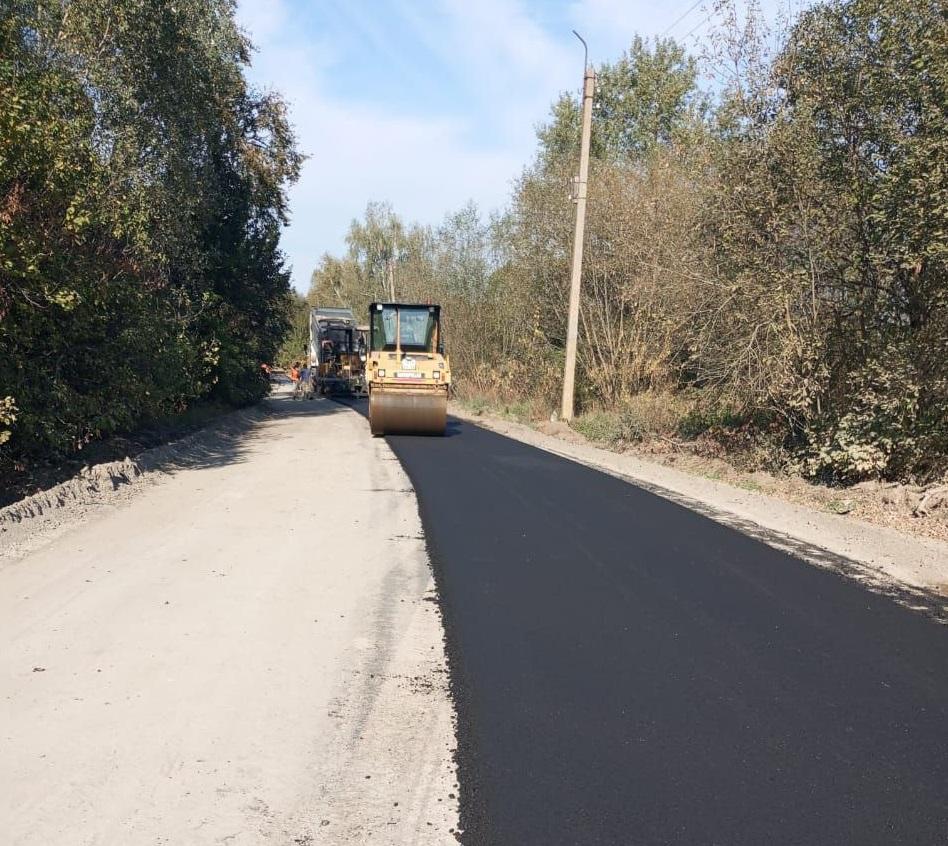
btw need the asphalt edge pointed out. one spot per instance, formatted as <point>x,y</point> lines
<point>471,830</point>
<point>921,599</point>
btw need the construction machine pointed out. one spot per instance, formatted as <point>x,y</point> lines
<point>337,351</point>
<point>407,372</point>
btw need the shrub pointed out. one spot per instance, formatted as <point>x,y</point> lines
<point>642,415</point>
<point>876,437</point>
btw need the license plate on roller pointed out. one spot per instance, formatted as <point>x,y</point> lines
<point>408,374</point>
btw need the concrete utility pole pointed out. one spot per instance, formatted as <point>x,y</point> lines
<point>572,327</point>
<point>391,278</point>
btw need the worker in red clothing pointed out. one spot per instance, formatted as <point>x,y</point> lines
<point>295,377</point>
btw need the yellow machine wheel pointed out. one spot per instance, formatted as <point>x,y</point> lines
<point>405,413</point>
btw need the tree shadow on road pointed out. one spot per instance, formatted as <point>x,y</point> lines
<point>227,440</point>
<point>230,440</point>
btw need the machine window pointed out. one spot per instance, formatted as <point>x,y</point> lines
<point>383,329</point>
<point>417,332</point>
<point>417,329</point>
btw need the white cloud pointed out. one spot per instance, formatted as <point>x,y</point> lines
<point>502,65</point>
<point>425,164</point>
<point>517,65</point>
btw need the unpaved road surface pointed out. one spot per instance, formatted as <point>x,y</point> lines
<point>631,672</point>
<point>250,651</point>
<point>246,652</point>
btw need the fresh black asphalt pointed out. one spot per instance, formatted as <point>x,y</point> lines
<point>629,672</point>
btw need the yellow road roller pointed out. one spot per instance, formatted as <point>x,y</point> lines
<point>407,372</point>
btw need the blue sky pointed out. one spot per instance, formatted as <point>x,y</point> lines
<point>431,103</point>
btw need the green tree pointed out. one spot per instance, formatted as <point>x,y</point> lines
<point>296,341</point>
<point>142,190</point>
<point>646,99</point>
<point>830,223</point>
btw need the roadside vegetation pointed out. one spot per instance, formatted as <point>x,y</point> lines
<point>142,191</point>
<point>766,266</point>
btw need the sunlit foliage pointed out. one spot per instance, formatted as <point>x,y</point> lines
<point>142,190</point>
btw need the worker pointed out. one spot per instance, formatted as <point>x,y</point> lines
<point>295,377</point>
<point>305,385</point>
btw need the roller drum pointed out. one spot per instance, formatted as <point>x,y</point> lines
<point>403,413</point>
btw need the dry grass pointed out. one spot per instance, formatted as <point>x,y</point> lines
<point>647,415</point>
<point>649,425</point>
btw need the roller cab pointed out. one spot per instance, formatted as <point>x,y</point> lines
<point>407,372</point>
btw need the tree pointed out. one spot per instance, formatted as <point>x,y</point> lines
<point>639,252</point>
<point>376,245</point>
<point>142,191</point>
<point>648,98</point>
<point>830,227</point>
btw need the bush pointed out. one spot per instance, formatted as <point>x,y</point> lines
<point>640,416</point>
<point>877,437</point>
<point>601,426</point>
<point>708,419</point>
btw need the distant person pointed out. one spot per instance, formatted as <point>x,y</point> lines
<point>294,375</point>
<point>306,383</point>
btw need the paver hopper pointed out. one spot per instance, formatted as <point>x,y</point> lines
<point>407,372</point>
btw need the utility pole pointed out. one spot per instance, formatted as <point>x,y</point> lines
<point>391,278</point>
<point>572,326</point>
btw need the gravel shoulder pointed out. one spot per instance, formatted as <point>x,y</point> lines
<point>913,568</point>
<point>236,644</point>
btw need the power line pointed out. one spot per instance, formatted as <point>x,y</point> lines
<point>680,19</point>
<point>696,26</point>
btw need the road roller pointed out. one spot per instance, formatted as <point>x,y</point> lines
<point>407,372</point>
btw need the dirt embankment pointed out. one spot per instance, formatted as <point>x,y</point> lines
<point>20,482</point>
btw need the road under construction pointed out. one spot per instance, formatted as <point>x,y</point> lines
<point>292,631</point>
